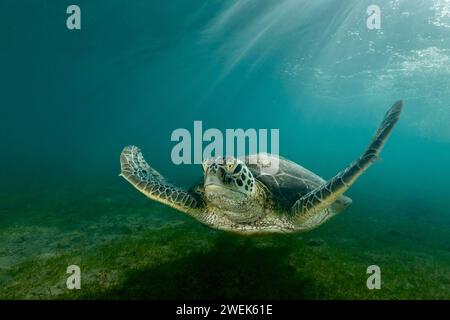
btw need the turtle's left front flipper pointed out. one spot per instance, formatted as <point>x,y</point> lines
<point>150,182</point>
<point>325,195</point>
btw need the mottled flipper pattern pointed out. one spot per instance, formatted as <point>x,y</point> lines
<point>322,197</point>
<point>150,182</point>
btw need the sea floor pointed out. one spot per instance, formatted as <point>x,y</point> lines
<point>129,247</point>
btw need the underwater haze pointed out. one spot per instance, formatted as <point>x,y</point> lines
<point>136,71</point>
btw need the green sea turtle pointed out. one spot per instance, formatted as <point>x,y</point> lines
<point>238,195</point>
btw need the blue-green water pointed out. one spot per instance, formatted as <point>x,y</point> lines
<point>71,100</point>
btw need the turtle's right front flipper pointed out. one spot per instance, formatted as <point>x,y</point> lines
<point>150,182</point>
<point>325,195</point>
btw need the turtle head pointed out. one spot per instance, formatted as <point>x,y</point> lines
<point>229,184</point>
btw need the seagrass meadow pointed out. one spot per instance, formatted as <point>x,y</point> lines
<point>136,71</point>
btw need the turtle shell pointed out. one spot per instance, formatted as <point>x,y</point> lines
<point>287,184</point>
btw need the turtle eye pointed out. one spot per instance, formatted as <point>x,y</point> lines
<point>229,166</point>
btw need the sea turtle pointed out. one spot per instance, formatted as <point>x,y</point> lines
<point>238,195</point>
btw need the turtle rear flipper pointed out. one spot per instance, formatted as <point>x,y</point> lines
<point>316,201</point>
<point>150,182</point>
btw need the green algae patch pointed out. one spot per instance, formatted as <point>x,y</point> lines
<point>127,248</point>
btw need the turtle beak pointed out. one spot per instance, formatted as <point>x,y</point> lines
<point>212,180</point>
